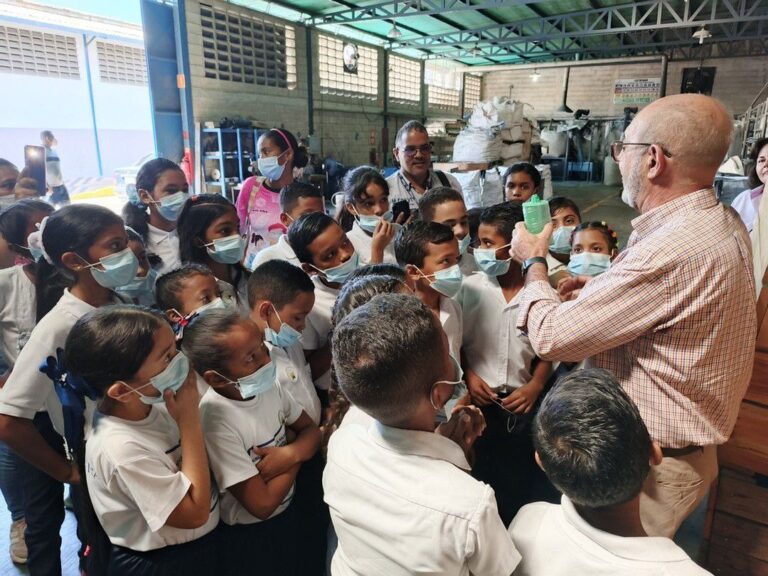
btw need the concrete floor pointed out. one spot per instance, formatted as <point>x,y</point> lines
<point>597,202</point>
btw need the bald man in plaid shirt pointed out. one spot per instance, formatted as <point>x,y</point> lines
<point>674,318</point>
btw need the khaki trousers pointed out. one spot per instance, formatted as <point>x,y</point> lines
<point>674,489</point>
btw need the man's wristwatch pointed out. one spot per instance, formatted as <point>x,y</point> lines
<point>531,261</point>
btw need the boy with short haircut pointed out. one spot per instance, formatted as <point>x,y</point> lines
<point>327,255</point>
<point>594,447</point>
<point>281,296</point>
<point>503,374</point>
<point>446,206</point>
<point>429,253</point>
<point>182,292</point>
<point>296,199</point>
<point>400,498</point>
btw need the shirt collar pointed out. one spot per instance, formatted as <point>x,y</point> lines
<point>493,282</point>
<point>408,185</point>
<point>418,443</point>
<point>159,235</point>
<point>649,222</point>
<point>641,548</point>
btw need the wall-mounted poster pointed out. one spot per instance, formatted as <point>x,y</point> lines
<point>698,80</point>
<point>636,91</point>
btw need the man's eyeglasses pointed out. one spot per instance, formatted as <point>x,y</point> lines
<point>411,151</point>
<point>618,146</point>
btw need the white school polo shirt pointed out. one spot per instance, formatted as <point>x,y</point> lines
<point>555,541</point>
<point>494,348</point>
<point>451,321</point>
<point>318,327</point>
<point>166,245</point>
<point>28,390</point>
<point>135,481</point>
<point>232,429</point>
<point>18,311</point>
<point>363,244</point>
<point>403,502</point>
<point>294,375</point>
<point>281,250</point>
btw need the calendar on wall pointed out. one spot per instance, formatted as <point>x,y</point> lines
<point>636,91</point>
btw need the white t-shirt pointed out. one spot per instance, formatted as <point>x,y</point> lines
<point>280,250</point>
<point>400,188</point>
<point>494,348</point>
<point>232,429</point>
<point>28,390</point>
<point>294,375</point>
<point>166,246</point>
<point>319,324</point>
<point>555,541</point>
<point>363,243</point>
<point>135,482</point>
<point>451,321</point>
<point>18,312</point>
<point>403,502</point>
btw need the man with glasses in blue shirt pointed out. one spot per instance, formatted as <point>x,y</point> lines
<point>413,152</point>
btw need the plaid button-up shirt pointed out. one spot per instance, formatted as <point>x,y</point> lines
<point>674,319</point>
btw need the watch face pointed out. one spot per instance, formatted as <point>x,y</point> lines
<point>350,57</point>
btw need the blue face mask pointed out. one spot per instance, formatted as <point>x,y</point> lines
<point>561,240</point>
<point>270,167</point>
<point>487,262</point>
<point>589,264</point>
<point>284,337</point>
<point>119,269</point>
<point>447,282</point>
<point>227,250</point>
<point>369,223</point>
<point>464,244</point>
<point>257,383</point>
<point>169,379</point>
<point>338,274</point>
<point>170,206</point>
<point>140,285</point>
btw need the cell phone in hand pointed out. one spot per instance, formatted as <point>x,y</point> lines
<point>401,207</point>
<point>34,163</point>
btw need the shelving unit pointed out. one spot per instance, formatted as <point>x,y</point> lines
<point>226,155</point>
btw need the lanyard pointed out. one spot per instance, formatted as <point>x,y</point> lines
<point>408,186</point>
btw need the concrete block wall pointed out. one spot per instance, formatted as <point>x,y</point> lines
<point>737,81</point>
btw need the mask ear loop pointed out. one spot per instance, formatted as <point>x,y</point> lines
<point>511,416</point>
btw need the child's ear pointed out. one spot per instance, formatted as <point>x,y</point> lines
<point>413,274</point>
<point>119,391</point>
<point>263,309</point>
<point>284,219</point>
<point>145,196</point>
<point>656,455</point>
<point>538,460</point>
<point>214,379</point>
<point>308,269</point>
<point>72,261</point>
<point>173,315</point>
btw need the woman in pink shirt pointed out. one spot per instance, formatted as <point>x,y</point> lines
<point>258,204</point>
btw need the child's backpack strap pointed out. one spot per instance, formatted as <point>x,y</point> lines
<point>443,178</point>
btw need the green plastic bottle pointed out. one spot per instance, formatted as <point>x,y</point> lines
<point>536,214</point>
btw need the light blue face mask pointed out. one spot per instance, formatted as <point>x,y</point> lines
<point>464,244</point>
<point>35,252</point>
<point>227,250</point>
<point>447,282</point>
<point>369,222</point>
<point>140,285</point>
<point>170,206</point>
<point>589,264</point>
<point>487,262</point>
<point>119,269</point>
<point>561,240</point>
<point>257,383</point>
<point>169,379</point>
<point>285,337</point>
<point>270,167</point>
<point>338,274</point>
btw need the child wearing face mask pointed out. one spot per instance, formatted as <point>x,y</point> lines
<point>366,216</point>
<point>594,246</point>
<point>208,235</point>
<point>328,256</point>
<point>190,291</point>
<point>150,507</point>
<point>565,216</point>
<point>84,247</point>
<point>296,199</point>
<point>141,290</point>
<point>446,206</point>
<point>161,191</point>
<point>503,374</point>
<point>247,417</point>
<point>258,207</point>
